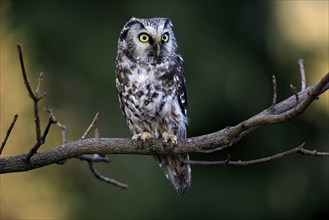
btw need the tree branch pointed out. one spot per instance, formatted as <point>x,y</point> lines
<point>208,143</point>
<point>106,179</point>
<point>274,90</point>
<point>302,73</point>
<point>36,98</point>
<point>93,149</point>
<point>8,133</point>
<point>59,124</point>
<point>91,126</point>
<point>228,162</point>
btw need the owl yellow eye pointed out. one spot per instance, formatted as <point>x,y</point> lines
<point>165,37</point>
<point>144,38</point>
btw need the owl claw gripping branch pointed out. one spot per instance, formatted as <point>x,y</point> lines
<point>166,137</point>
<point>150,83</point>
<point>142,136</point>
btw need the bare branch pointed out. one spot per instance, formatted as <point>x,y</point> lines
<point>41,141</point>
<point>90,158</point>
<point>219,140</point>
<point>293,88</point>
<point>26,81</point>
<point>90,126</point>
<point>106,179</point>
<point>40,81</point>
<point>59,124</point>
<point>93,150</point>
<point>302,73</point>
<point>36,98</point>
<point>8,133</point>
<point>300,149</point>
<point>45,133</point>
<point>97,158</point>
<point>274,90</point>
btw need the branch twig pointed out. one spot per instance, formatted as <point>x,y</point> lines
<point>300,149</point>
<point>40,81</point>
<point>26,81</point>
<point>92,124</point>
<point>294,89</point>
<point>81,149</point>
<point>59,124</point>
<point>97,158</point>
<point>8,133</point>
<point>274,90</point>
<point>106,179</point>
<point>302,73</point>
<point>216,141</point>
<point>36,98</point>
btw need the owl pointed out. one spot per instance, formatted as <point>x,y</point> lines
<point>150,83</point>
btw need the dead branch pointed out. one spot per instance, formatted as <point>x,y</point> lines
<point>300,149</point>
<point>106,179</point>
<point>59,124</point>
<point>208,143</point>
<point>91,149</point>
<point>91,126</point>
<point>302,73</point>
<point>8,133</point>
<point>219,140</point>
<point>294,89</point>
<point>92,159</point>
<point>274,90</point>
<point>36,98</point>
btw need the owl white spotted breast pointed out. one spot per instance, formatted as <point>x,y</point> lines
<point>150,83</point>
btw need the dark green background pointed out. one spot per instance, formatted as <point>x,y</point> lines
<point>228,65</point>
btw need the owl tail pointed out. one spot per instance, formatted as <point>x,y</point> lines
<point>179,174</point>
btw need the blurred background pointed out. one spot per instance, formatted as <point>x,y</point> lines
<point>230,53</point>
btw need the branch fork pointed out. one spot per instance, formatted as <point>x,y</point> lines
<point>93,149</point>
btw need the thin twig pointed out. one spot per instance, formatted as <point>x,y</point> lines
<point>64,131</point>
<point>45,133</point>
<point>8,133</point>
<point>106,179</point>
<point>282,111</point>
<point>295,93</point>
<point>228,162</point>
<point>59,124</point>
<point>302,73</point>
<point>42,140</point>
<point>40,81</point>
<point>274,90</point>
<point>313,152</point>
<point>92,124</point>
<point>98,158</point>
<point>26,81</point>
<point>36,98</point>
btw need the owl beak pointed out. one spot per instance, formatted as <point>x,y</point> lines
<point>157,49</point>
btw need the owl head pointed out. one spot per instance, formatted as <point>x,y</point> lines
<point>148,40</point>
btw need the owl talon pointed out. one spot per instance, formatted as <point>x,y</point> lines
<point>166,137</point>
<point>142,136</point>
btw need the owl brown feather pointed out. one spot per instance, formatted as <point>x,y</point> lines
<point>150,83</point>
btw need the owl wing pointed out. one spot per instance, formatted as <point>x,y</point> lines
<point>180,82</point>
<point>120,81</point>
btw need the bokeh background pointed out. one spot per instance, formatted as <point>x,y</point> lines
<point>231,50</point>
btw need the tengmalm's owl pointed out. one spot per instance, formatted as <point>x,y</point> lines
<point>150,83</point>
